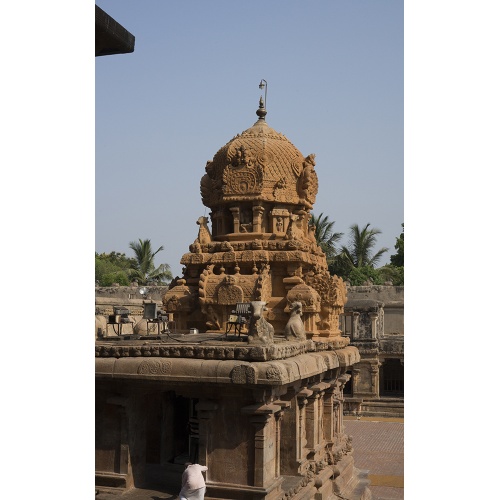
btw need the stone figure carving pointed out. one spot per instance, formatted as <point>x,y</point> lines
<point>294,329</point>
<point>259,330</point>
<point>279,224</point>
<point>206,189</point>
<point>308,182</point>
<point>212,318</point>
<point>241,158</point>
<point>226,247</point>
<point>204,235</point>
<point>280,189</point>
<point>294,231</point>
<point>172,303</point>
<point>195,247</point>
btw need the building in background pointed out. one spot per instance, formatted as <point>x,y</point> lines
<point>374,321</point>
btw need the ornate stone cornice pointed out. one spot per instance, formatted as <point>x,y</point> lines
<point>228,371</point>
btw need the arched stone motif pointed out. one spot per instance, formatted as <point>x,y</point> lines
<point>228,292</point>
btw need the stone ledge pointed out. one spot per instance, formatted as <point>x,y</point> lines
<point>278,372</point>
<point>214,349</point>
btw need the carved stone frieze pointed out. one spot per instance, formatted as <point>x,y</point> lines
<point>155,368</point>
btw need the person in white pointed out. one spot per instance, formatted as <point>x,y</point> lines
<point>193,482</point>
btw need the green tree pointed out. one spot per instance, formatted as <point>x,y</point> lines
<point>326,238</point>
<point>112,268</point>
<point>399,258</point>
<point>143,268</point>
<point>358,254</point>
<point>360,275</point>
<point>359,251</point>
<point>394,274</point>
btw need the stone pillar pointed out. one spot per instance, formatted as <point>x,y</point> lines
<point>374,372</point>
<point>167,452</point>
<point>374,317</point>
<point>289,435</point>
<point>328,415</point>
<point>314,413</point>
<point>136,412</point>
<point>312,424</point>
<point>302,401</point>
<point>236,218</point>
<point>355,377</point>
<point>258,212</point>
<point>217,222</point>
<point>279,419</point>
<point>342,380</point>
<point>206,410</point>
<point>265,452</point>
<point>355,325</point>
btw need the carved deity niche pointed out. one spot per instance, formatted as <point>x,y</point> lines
<point>279,221</point>
<point>246,221</point>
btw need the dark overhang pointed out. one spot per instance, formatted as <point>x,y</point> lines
<point>110,36</point>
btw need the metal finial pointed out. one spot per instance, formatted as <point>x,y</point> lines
<point>261,112</point>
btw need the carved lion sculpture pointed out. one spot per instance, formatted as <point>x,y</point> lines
<point>294,329</point>
<point>259,330</point>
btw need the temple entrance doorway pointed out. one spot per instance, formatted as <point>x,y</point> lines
<point>171,439</point>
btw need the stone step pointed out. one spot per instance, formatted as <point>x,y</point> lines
<point>358,488</point>
<point>382,409</point>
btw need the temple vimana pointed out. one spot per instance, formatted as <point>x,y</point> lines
<point>241,364</point>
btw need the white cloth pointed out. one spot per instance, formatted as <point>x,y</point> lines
<point>198,494</point>
<point>193,483</point>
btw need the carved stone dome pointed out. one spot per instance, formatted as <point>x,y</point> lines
<point>259,164</point>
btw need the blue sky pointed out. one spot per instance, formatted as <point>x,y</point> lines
<point>335,88</point>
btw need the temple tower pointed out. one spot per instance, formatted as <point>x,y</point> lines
<point>260,190</point>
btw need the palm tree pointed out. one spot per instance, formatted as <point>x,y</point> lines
<point>359,251</point>
<point>325,237</point>
<point>143,268</point>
